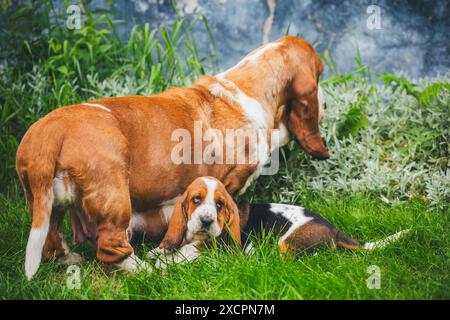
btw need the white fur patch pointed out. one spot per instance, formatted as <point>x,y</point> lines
<point>187,253</point>
<point>252,109</point>
<point>168,212</point>
<point>138,222</point>
<point>134,264</point>
<point>64,194</point>
<point>211,186</point>
<point>294,214</point>
<point>249,249</point>
<point>155,253</point>
<point>96,105</point>
<point>37,237</point>
<point>384,242</point>
<point>321,99</point>
<point>263,155</point>
<point>283,137</point>
<point>35,244</point>
<point>217,89</point>
<point>252,57</point>
<point>250,179</point>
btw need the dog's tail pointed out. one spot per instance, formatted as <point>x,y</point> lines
<point>385,241</point>
<point>35,165</point>
<point>344,241</point>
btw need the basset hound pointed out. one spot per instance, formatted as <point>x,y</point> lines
<point>207,211</point>
<point>106,159</point>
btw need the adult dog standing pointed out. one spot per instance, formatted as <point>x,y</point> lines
<point>108,158</point>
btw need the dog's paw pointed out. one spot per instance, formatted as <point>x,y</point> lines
<point>134,264</point>
<point>158,253</point>
<point>161,264</point>
<point>162,257</point>
<point>249,249</point>
<point>70,258</point>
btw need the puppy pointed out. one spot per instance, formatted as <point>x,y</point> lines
<point>207,211</point>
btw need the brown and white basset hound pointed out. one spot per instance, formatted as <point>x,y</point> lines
<point>107,159</point>
<point>207,211</point>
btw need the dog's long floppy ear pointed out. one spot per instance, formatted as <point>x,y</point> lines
<point>177,225</point>
<point>232,227</point>
<point>303,116</point>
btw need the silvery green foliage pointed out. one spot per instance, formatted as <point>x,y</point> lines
<point>126,85</point>
<point>403,153</point>
<point>117,86</point>
<point>438,189</point>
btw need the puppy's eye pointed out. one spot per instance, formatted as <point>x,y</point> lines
<point>197,199</point>
<point>219,204</point>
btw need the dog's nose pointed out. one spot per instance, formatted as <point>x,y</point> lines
<point>206,221</point>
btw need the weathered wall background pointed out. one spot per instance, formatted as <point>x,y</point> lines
<point>414,35</point>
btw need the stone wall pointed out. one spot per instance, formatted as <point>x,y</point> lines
<point>413,36</point>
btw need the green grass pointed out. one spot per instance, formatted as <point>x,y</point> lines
<point>415,267</point>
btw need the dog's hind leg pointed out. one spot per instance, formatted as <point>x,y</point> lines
<point>107,203</point>
<point>55,245</point>
<point>307,237</point>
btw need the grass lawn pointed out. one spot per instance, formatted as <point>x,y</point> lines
<point>415,267</point>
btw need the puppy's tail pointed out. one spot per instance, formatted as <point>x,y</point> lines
<point>344,241</point>
<point>383,243</point>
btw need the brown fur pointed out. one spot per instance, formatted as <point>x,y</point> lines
<point>313,234</point>
<point>53,247</point>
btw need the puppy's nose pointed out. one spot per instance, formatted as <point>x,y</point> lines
<point>206,221</point>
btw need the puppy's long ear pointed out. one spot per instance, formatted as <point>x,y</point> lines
<point>232,227</point>
<point>177,226</point>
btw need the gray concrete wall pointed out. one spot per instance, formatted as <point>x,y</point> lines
<point>414,35</point>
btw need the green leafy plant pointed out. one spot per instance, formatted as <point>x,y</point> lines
<point>354,120</point>
<point>399,84</point>
<point>423,96</point>
<point>430,92</point>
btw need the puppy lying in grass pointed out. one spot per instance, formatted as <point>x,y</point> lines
<point>207,211</point>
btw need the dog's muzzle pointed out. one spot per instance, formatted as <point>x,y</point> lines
<point>204,221</point>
